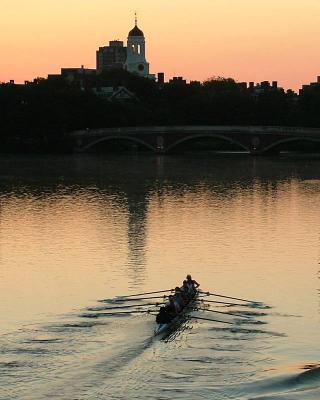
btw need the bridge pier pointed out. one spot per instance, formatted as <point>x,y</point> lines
<point>159,145</point>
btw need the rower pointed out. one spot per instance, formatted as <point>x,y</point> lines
<point>192,284</point>
<point>164,317</point>
<point>179,296</point>
<point>186,290</point>
<point>174,304</point>
<point>170,308</point>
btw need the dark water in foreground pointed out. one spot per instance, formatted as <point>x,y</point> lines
<point>78,230</point>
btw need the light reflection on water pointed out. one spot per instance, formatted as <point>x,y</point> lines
<point>75,230</point>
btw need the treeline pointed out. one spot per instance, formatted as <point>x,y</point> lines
<point>39,115</point>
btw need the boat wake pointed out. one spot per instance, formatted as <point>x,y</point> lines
<point>300,385</point>
<point>49,361</point>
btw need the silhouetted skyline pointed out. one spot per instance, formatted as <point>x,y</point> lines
<point>246,40</point>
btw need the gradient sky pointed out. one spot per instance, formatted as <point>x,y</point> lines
<point>244,39</point>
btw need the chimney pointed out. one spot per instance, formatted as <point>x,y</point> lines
<point>251,85</point>
<point>161,78</point>
<point>318,79</point>
<point>275,84</point>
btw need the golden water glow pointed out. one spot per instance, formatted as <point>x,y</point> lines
<point>242,231</point>
<point>249,40</point>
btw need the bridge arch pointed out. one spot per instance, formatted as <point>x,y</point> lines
<point>206,135</point>
<point>289,140</point>
<point>117,137</point>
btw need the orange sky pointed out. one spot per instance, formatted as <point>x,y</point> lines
<point>245,39</point>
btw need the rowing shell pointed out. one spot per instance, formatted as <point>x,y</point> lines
<point>161,328</point>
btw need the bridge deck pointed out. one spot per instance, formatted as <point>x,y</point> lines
<point>253,130</point>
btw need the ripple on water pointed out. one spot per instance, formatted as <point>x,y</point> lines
<point>247,332</point>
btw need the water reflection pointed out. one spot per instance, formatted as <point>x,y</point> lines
<point>137,209</point>
<point>242,189</point>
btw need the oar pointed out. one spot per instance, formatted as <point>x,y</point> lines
<point>213,320</point>
<point>121,307</point>
<point>143,294</point>
<point>125,300</point>
<point>232,298</point>
<point>117,313</point>
<point>221,312</point>
<point>224,302</point>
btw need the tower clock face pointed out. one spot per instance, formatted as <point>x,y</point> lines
<point>140,67</point>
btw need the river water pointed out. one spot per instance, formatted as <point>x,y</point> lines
<point>76,231</point>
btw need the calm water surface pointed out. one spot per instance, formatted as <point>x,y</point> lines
<point>80,229</point>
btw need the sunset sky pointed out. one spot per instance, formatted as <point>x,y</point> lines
<point>249,40</point>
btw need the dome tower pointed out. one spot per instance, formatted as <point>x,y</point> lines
<point>136,52</point>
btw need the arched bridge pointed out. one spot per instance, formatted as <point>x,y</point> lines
<point>162,139</point>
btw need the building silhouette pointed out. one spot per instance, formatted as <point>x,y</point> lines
<point>131,57</point>
<point>313,87</point>
<point>112,56</point>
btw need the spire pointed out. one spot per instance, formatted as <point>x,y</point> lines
<point>136,31</point>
